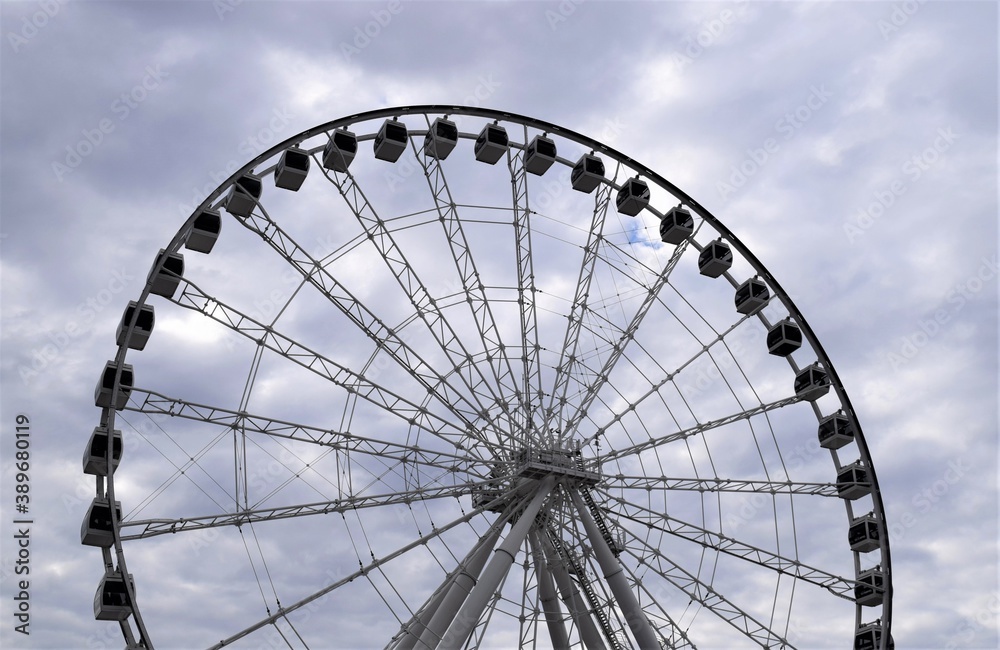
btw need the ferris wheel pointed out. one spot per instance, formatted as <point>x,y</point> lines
<point>450,377</point>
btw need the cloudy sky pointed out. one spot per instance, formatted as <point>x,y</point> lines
<point>852,146</point>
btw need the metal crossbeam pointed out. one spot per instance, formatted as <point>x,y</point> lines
<point>384,336</point>
<point>531,393</point>
<point>707,596</point>
<point>425,306</point>
<point>720,485</point>
<point>731,546</point>
<point>154,527</point>
<point>191,297</point>
<point>153,403</point>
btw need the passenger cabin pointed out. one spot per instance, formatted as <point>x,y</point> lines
<point>95,456</point>
<point>140,331</point>
<point>390,142</point>
<point>587,174</point>
<point>111,603</point>
<point>751,296</point>
<point>539,155</point>
<point>105,387</point>
<point>863,535</point>
<point>340,150</point>
<point>632,197</point>
<point>441,138</point>
<point>869,590</point>
<point>852,481</point>
<point>292,169</point>
<point>168,278</point>
<point>97,529</point>
<point>869,637</point>
<point>715,259</point>
<point>784,338</point>
<point>677,225</point>
<point>812,383</point>
<point>204,231</point>
<point>491,144</point>
<point>835,431</point>
<point>244,195</point>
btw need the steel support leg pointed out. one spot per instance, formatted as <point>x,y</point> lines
<point>461,586</point>
<point>615,577</point>
<point>578,608</point>
<point>460,629</point>
<point>547,596</point>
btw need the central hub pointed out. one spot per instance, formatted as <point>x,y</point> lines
<point>564,464</point>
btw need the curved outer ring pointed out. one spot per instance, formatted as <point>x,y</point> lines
<point>700,210</point>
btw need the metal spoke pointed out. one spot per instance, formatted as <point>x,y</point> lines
<point>153,403</point>
<point>602,375</point>
<point>722,543</point>
<point>619,481</point>
<point>191,297</point>
<point>472,283</point>
<point>420,541</point>
<point>653,443</point>
<point>425,306</point>
<point>385,337</point>
<point>705,595</point>
<point>154,527</point>
<point>567,358</point>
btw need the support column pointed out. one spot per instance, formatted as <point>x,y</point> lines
<point>589,633</point>
<point>461,586</point>
<point>547,595</point>
<point>460,629</point>
<point>615,577</point>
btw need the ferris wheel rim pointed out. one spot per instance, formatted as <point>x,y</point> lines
<point>701,211</point>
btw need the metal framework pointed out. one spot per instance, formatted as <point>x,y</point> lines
<point>509,406</point>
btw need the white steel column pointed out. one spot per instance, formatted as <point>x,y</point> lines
<point>615,577</point>
<point>460,629</point>
<point>591,637</point>
<point>547,595</point>
<point>460,588</point>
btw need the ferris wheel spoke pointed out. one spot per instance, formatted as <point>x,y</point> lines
<point>567,356</point>
<point>422,540</point>
<point>531,385</point>
<point>154,527</point>
<point>600,379</point>
<point>619,481</point>
<point>153,403</point>
<point>191,297</point>
<point>666,378</point>
<point>425,306</point>
<point>387,338</point>
<point>659,441</point>
<point>704,594</point>
<point>675,637</point>
<point>465,263</point>
<point>732,546</point>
